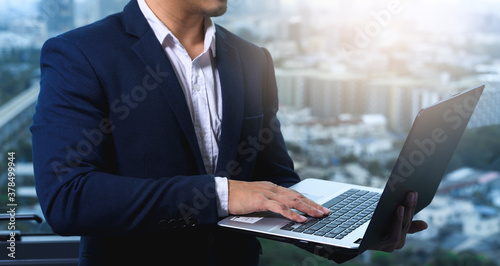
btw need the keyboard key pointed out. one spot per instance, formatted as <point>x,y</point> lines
<point>332,202</point>
<point>349,211</point>
<point>321,233</point>
<point>328,219</point>
<point>309,223</point>
<point>316,227</point>
<point>331,235</point>
<point>334,215</point>
<point>351,191</point>
<point>337,230</point>
<point>349,223</point>
<point>288,226</point>
<point>361,193</point>
<point>299,230</point>
<point>335,223</point>
<point>329,227</point>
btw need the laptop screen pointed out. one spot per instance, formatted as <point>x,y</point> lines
<point>423,161</point>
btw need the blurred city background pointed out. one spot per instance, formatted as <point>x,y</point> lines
<point>352,76</point>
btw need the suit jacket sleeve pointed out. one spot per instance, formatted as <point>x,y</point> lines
<point>78,190</point>
<point>273,162</point>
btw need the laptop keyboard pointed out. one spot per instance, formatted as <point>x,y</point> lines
<point>348,211</point>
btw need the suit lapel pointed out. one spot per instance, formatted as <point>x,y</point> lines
<point>228,64</point>
<point>232,86</point>
<point>149,50</point>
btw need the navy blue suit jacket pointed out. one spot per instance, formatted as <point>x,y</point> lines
<point>115,153</point>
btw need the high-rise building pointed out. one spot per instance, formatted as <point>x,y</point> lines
<point>292,87</point>
<point>400,99</point>
<point>331,95</point>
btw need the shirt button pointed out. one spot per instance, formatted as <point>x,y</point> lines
<point>203,134</point>
<point>197,87</point>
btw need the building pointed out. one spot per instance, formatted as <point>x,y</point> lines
<point>292,87</point>
<point>470,183</point>
<point>328,95</point>
<point>484,223</point>
<point>59,15</point>
<point>400,99</point>
<point>442,213</point>
<point>332,95</point>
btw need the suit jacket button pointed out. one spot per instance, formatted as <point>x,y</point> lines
<point>172,223</point>
<point>182,222</point>
<point>163,224</point>
<point>192,221</point>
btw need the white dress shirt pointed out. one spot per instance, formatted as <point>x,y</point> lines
<point>200,81</point>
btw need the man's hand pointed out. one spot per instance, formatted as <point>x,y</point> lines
<point>249,197</point>
<point>402,225</point>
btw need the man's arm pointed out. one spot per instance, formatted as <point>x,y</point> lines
<point>79,190</point>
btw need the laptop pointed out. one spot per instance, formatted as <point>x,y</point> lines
<point>359,215</point>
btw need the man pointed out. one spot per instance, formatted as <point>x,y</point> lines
<point>154,123</point>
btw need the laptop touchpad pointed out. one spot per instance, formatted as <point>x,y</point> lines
<point>314,198</point>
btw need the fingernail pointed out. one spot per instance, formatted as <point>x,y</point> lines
<point>326,210</point>
<point>401,211</point>
<point>412,197</point>
<point>302,218</point>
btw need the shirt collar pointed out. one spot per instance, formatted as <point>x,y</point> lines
<point>162,32</point>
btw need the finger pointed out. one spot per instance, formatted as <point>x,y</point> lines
<point>310,202</point>
<point>399,233</point>
<point>288,197</point>
<point>409,210</point>
<point>417,226</point>
<point>282,209</point>
<point>389,243</point>
<point>298,204</point>
<point>410,204</point>
<point>292,193</point>
<point>394,238</point>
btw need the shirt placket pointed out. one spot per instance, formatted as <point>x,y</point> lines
<point>202,113</point>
